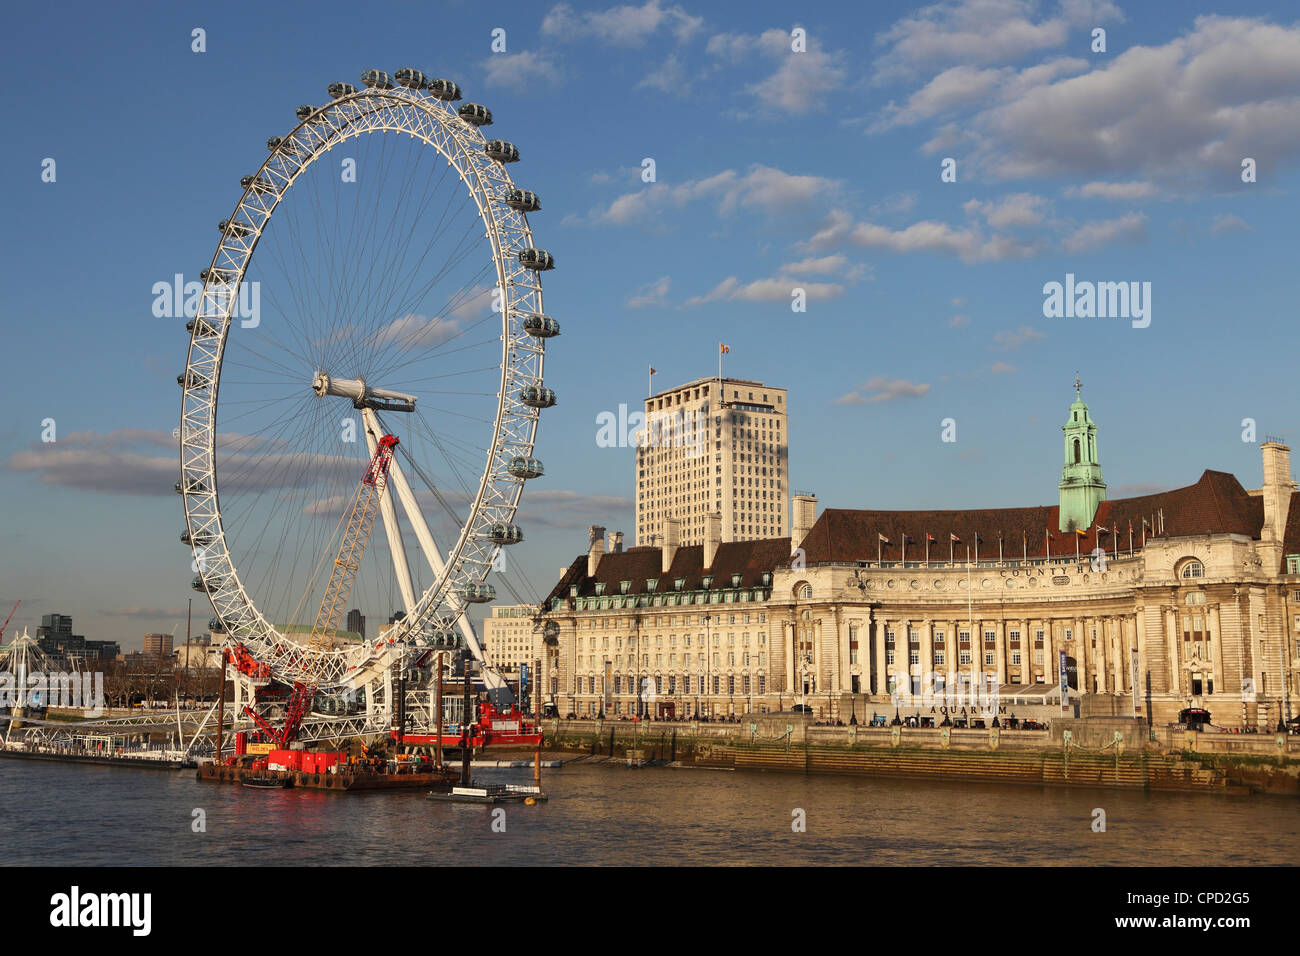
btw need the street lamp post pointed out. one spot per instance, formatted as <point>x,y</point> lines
<point>708,661</point>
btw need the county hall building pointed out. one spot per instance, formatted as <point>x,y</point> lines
<point>1203,582</point>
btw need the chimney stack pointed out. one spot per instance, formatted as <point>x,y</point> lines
<point>595,548</point>
<point>804,517</point>
<point>616,542</point>
<point>1276,493</point>
<point>712,538</point>
<point>672,535</point>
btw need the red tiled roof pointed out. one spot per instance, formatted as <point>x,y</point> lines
<point>1217,504</point>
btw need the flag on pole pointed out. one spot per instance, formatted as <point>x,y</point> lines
<point>952,538</point>
<point>651,379</point>
<point>722,349</point>
<point>880,539</point>
<point>928,538</point>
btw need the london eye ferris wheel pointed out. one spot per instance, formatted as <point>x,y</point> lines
<point>372,317</point>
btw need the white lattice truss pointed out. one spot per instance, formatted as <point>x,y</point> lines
<point>470,558</point>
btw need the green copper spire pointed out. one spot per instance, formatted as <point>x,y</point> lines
<point>1082,489</point>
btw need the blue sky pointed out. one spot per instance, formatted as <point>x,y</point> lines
<point>775,169</point>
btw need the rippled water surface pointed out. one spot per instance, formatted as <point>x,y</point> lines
<point>89,815</point>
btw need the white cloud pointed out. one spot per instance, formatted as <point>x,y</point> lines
<point>881,389</point>
<point>777,289</point>
<point>1013,339</point>
<point>980,32</point>
<point>1131,227</point>
<point>1121,191</point>
<point>801,79</point>
<point>1002,368</point>
<point>668,77</point>
<point>518,71</point>
<point>621,26</point>
<point>1227,223</point>
<point>966,243</point>
<point>762,188</point>
<point>1018,210</point>
<point>653,293</point>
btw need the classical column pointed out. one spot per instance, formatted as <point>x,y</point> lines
<point>903,655</point>
<point>927,650</point>
<point>791,632</point>
<point>952,653</point>
<point>1169,618</point>
<point>1026,653</point>
<point>1049,653</point>
<point>1100,663</point>
<point>1214,625</point>
<point>842,683</point>
<point>817,682</point>
<point>977,652</point>
<point>999,651</point>
<point>882,669</point>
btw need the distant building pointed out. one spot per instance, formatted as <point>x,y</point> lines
<point>56,640</point>
<point>158,645</point>
<point>713,446</point>
<point>357,622</point>
<point>509,639</point>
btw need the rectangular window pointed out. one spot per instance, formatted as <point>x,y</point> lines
<point>889,658</point>
<point>1015,657</point>
<point>1038,655</point>
<point>914,657</point>
<point>964,657</point>
<point>938,657</point>
<point>717,681</point>
<point>988,659</point>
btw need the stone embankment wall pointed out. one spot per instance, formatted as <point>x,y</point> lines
<point>1093,755</point>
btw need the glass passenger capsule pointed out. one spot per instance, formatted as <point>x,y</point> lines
<point>304,112</point>
<point>191,379</point>
<point>521,466</point>
<point>501,151</point>
<point>216,625</point>
<point>441,638</point>
<point>195,486</point>
<point>541,326</point>
<point>475,113</point>
<point>539,260</point>
<point>523,200</point>
<point>337,90</point>
<point>219,276</point>
<point>443,89</point>
<point>409,78</point>
<point>205,328</point>
<point>504,533</point>
<point>537,396</point>
<point>477,593</point>
<point>273,142</point>
<point>377,79</point>
<point>256,183</point>
<point>197,540</point>
<point>233,228</point>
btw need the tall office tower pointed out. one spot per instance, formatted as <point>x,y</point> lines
<point>158,645</point>
<point>357,622</point>
<point>714,446</point>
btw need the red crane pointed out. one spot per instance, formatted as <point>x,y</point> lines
<point>361,519</point>
<point>9,618</point>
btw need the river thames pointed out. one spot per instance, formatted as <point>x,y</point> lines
<point>79,815</point>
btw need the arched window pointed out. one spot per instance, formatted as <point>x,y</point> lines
<point>1192,569</point>
<point>1076,451</point>
<point>803,591</point>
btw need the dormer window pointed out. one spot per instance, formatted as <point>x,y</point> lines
<point>707,581</point>
<point>624,586</point>
<point>651,583</point>
<point>1293,564</point>
<point>679,583</point>
<point>600,587</point>
<point>735,580</point>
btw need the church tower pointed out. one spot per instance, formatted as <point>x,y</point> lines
<point>1082,489</point>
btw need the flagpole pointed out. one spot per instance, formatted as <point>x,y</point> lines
<point>905,560</point>
<point>950,561</point>
<point>970,613</point>
<point>878,559</point>
<point>1024,544</point>
<point>927,549</point>
<point>1047,543</point>
<point>999,547</point>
